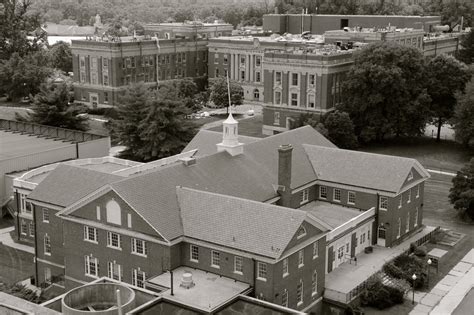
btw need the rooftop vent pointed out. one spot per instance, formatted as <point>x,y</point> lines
<point>187,280</point>
<point>188,161</point>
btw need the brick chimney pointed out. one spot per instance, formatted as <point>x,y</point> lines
<point>284,174</point>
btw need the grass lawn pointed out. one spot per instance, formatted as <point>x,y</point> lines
<point>445,155</point>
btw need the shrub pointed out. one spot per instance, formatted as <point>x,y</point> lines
<point>392,270</point>
<point>410,265</point>
<point>381,296</point>
<point>412,247</point>
<point>420,251</point>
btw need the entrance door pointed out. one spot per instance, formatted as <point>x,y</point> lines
<point>381,236</point>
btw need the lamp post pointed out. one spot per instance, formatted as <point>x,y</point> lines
<point>429,262</point>
<point>414,279</point>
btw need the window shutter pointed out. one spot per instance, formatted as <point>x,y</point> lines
<point>86,265</point>
<point>85,232</point>
<point>133,245</point>
<point>145,248</point>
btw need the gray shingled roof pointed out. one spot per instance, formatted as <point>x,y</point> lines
<point>368,170</point>
<point>205,141</point>
<point>254,227</point>
<point>67,184</point>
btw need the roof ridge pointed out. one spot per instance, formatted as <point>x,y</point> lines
<point>241,199</point>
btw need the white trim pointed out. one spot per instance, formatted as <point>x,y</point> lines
<point>47,205</point>
<point>72,279</point>
<point>312,304</point>
<point>49,263</point>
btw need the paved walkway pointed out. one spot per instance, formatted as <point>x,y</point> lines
<point>341,281</point>
<point>449,292</point>
<point>7,240</point>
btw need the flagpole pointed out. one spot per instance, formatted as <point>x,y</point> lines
<point>228,92</point>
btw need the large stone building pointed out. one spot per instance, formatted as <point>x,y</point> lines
<point>295,208</point>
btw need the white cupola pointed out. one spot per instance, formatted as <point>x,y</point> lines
<point>230,137</point>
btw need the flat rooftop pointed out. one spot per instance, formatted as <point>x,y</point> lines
<point>16,144</point>
<point>209,292</point>
<point>332,214</point>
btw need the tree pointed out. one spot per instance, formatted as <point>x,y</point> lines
<point>384,92</point>
<point>131,110</point>
<point>462,192</point>
<point>165,131</point>
<point>463,120</point>
<point>466,53</point>
<point>22,76</point>
<point>336,126</point>
<point>445,76</point>
<point>51,107</point>
<point>61,56</point>
<point>16,22</point>
<point>220,95</point>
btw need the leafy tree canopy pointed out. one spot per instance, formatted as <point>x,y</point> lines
<point>220,93</point>
<point>462,192</point>
<point>466,53</point>
<point>445,77</point>
<point>52,107</point>
<point>384,92</point>
<point>61,56</point>
<point>463,119</point>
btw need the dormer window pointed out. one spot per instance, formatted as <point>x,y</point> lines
<point>301,232</point>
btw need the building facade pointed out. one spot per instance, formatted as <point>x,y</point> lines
<point>189,30</point>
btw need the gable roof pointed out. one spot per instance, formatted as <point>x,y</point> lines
<point>366,170</point>
<point>250,226</point>
<point>205,141</point>
<point>66,184</point>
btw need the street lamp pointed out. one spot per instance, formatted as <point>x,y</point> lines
<point>428,275</point>
<point>414,279</point>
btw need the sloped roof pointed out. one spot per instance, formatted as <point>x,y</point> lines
<point>251,226</point>
<point>331,214</point>
<point>66,184</point>
<point>367,170</point>
<point>205,141</point>
<point>250,175</point>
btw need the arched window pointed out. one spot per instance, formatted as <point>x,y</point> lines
<point>256,94</point>
<point>113,212</point>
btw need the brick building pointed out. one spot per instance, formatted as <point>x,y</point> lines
<point>256,213</point>
<point>189,30</point>
<point>103,69</point>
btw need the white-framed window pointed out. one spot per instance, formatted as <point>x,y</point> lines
<point>114,214</point>
<point>409,196</point>
<point>285,267</point>
<point>300,258</point>
<point>418,191</point>
<point>25,205</point>
<point>312,80</point>
<point>90,234</point>
<point>351,197</point>
<point>47,245</point>
<point>415,219</point>
<point>311,101</point>
<point>258,61</point>
<point>194,253</point>
<point>242,59</point>
<point>226,59</point>
<point>278,78</point>
<point>45,215</point>
<point>113,240</point>
<point>323,192</point>
<point>284,298</point>
<point>215,259</point>
<point>407,228</point>
<point>277,100</point>
<point>276,118</point>
<point>114,270</point>
<point>23,227</point>
<point>304,196</point>
<point>238,265</point>
<point>315,249</point>
<point>299,293</point>
<point>138,278</point>
<point>337,195</point>
<point>91,265</point>
<point>294,99</point>
<point>261,271</point>
<point>314,283</point>
<point>399,227</point>
<point>47,275</point>
<point>32,229</point>
<point>139,247</point>
<point>294,79</point>
<point>383,203</point>
<point>400,201</point>
<point>93,63</point>
<point>301,232</point>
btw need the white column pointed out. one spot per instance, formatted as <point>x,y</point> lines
<point>252,65</point>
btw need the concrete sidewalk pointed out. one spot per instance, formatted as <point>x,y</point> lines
<point>7,240</point>
<point>449,292</point>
